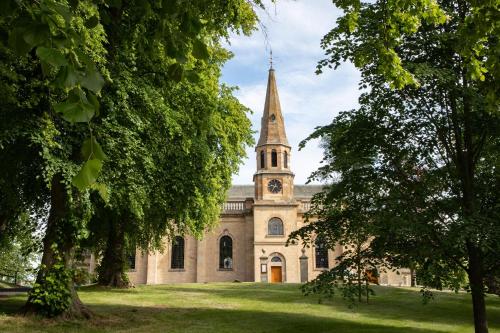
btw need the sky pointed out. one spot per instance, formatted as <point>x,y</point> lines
<point>293,30</point>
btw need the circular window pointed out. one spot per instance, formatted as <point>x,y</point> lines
<point>273,117</point>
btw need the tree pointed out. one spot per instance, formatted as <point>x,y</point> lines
<point>20,254</point>
<point>177,160</point>
<point>431,145</point>
<point>345,217</point>
<point>67,52</point>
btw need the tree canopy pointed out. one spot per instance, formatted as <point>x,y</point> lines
<point>115,105</point>
<point>420,155</point>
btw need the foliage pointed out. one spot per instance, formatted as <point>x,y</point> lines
<point>389,22</point>
<point>17,263</point>
<point>51,296</point>
<point>81,276</point>
<point>171,150</point>
<point>350,277</point>
<point>85,77</point>
<point>345,217</point>
<point>423,157</point>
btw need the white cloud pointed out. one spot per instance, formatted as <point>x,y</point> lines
<point>307,100</point>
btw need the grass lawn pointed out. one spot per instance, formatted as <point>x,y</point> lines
<point>252,307</point>
<point>4,284</point>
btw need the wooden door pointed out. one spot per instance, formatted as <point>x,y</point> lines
<point>276,274</point>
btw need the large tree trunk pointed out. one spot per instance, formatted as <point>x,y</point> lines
<point>58,248</point>
<point>112,267</point>
<point>477,290</point>
<point>464,159</point>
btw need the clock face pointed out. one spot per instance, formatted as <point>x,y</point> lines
<point>274,186</point>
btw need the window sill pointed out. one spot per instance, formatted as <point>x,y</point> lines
<point>132,270</point>
<point>176,270</point>
<point>275,236</point>
<point>321,269</point>
<point>225,269</point>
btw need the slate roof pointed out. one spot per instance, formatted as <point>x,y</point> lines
<point>241,192</point>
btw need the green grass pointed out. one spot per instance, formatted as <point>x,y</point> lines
<point>253,308</point>
<point>4,284</point>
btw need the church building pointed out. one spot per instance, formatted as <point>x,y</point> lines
<point>249,243</point>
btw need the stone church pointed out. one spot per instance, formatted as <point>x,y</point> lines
<point>248,244</point>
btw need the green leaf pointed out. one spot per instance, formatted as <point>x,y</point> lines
<point>91,149</point>
<point>192,76</point>
<point>45,68</point>
<point>103,191</point>
<point>200,50</point>
<point>77,108</point>
<point>68,77</point>
<point>93,81</point>
<point>36,34</point>
<point>53,57</point>
<point>88,174</point>
<point>62,10</point>
<point>175,72</point>
<point>92,22</point>
<point>17,42</point>
<point>93,100</point>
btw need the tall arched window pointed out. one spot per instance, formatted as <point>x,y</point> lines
<point>226,252</point>
<point>274,158</point>
<point>177,253</point>
<point>286,160</point>
<point>131,260</point>
<point>275,226</point>
<point>321,253</point>
<point>262,159</point>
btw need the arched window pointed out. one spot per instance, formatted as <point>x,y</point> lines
<point>285,162</point>
<point>321,253</point>
<point>275,226</point>
<point>276,259</point>
<point>274,158</point>
<point>262,159</point>
<point>177,253</point>
<point>226,252</point>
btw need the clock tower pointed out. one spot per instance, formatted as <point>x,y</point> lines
<point>273,178</point>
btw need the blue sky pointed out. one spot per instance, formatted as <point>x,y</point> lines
<point>294,30</point>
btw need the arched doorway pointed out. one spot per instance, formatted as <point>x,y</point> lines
<point>277,264</point>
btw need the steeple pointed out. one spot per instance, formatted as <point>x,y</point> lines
<point>272,124</point>
<point>273,178</point>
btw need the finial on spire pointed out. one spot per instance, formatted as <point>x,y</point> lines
<point>271,59</point>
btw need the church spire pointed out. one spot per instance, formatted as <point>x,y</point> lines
<point>272,124</point>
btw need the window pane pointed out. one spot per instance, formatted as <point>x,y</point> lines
<point>131,260</point>
<point>226,252</point>
<point>177,253</point>
<point>321,252</point>
<point>275,226</point>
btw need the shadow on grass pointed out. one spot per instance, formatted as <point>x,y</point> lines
<point>111,318</point>
<point>389,302</point>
